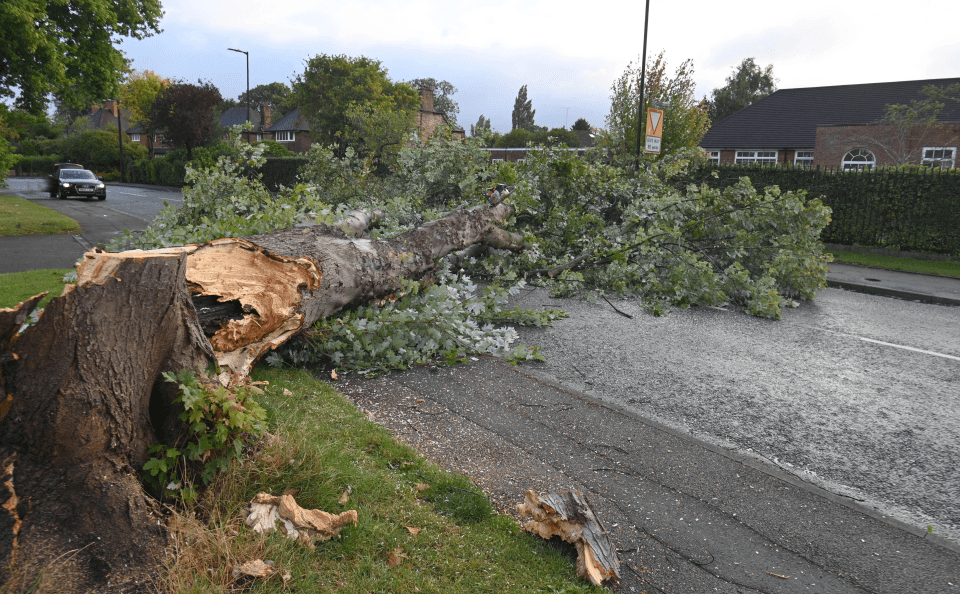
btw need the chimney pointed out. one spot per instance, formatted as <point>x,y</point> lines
<point>267,119</point>
<point>94,108</point>
<point>426,98</point>
<point>111,106</point>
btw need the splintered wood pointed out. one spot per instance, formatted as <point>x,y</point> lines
<point>569,516</point>
<point>266,510</point>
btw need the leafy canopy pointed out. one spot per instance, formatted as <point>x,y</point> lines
<point>523,111</point>
<point>183,112</point>
<point>139,91</point>
<point>748,84</point>
<point>582,125</point>
<point>67,48</point>
<point>685,119</point>
<point>331,86</point>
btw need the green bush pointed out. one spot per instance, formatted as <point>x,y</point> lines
<point>99,150</point>
<point>38,166</point>
<point>281,171</point>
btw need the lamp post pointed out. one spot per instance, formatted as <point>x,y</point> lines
<point>248,78</point>
<point>123,179</point>
<point>643,76</point>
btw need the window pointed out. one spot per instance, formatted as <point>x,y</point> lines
<point>803,158</point>
<point>762,157</point>
<point>713,157</point>
<point>286,136</point>
<point>497,160</point>
<point>858,160</point>
<point>134,138</point>
<point>944,157</point>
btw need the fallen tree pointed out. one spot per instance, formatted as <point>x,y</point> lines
<point>84,386</point>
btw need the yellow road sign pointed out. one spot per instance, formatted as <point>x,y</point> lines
<point>654,130</point>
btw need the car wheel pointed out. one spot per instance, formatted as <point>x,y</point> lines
<point>61,195</point>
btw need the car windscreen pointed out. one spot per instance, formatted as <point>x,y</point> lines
<point>77,174</point>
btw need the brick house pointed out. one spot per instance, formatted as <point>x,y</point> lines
<point>429,119</point>
<point>292,131</point>
<point>836,126</point>
<point>260,121</point>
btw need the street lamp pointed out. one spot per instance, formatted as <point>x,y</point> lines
<point>248,78</point>
<point>643,75</point>
<point>120,138</point>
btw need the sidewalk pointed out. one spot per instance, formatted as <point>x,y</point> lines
<point>890,283</point>
<point>684,516</point>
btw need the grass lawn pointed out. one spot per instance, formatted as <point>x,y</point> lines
<point>23,217</point>
<point>20,286</point>
<point>937,267</point>
<point>420,529</point>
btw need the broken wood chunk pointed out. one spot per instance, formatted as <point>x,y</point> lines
<point>569,516</point>
<point>305,525</point>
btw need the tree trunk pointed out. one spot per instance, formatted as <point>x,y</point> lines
<point>86,394</point>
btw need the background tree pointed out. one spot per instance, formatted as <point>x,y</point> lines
<point>139,91</point>
<point>523,111</point>
<point>748,84</point>
<point>276,94</point>
<point>442,100</point>
<point>331,85</point>
<point>183,113</point>
<point>582,125</point>
<point>67,48</point>
<point>377,133</point>
<point>685,119</point>
<point>481,128</point>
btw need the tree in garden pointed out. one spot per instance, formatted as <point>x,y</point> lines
<point>329,86</point>
<point>581,124</point>
<point>68,49</point>
<point>137,95</point>
<point>442,96</point>
<point>183,113</point>
<point>523,111</point>
<point>481,128</point>
<point>277,95</point>
<point>748,84</point>
<point>685,118</point>
<point>377,132</point>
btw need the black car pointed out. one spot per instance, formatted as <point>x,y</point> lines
<point>53,185</point>
<point>79,182</point>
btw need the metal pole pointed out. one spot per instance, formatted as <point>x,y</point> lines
<point>643,76</point>
<point>247,54</point>
<point>123,179</point>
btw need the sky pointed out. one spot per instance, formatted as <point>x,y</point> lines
<point>567,53</point>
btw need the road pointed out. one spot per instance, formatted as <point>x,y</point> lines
<point>126,208</point>
<point>855,393</point>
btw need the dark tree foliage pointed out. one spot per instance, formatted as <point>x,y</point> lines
<point>481,128</point>
<point>554,137</point>
<point>442,101</point>
<point>523,111</point>
<point>276,94</point>
<point>330,87</point>
<point>184,114</point>
<point>581,124</point>
<point>748,84</point>
<point>67,48</point>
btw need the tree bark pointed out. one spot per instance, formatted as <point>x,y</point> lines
<point>86,396</point>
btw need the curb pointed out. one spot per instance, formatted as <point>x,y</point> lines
<point>898,294</point>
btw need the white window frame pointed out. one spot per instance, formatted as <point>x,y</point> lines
<point>286,136</point>
<point>747,157</point>
<point>713,157</point>
<point>134,138</point>
<point>944,161</point>
<point>803,158</point>
<point>852,162</point>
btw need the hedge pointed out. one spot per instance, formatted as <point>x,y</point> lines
<point>281,171</point>
<point>905,210</point>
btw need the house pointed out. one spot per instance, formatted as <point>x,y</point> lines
<point>292,131</point>
<point>259,121</point>
<point>836,126</point>
<point>105,116</point>
<point>429,119</point>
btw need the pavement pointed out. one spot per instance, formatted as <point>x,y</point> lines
<point>684,515</point>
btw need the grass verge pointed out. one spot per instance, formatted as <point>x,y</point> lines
<point>444,537</point>
<point>937,267</point>
<point>20,286</point>
<point>22,217</point>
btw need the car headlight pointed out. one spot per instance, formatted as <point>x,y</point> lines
<point>65,185</point>
<point>99,186</point>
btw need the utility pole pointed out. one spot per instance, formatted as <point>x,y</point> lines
<point>248,77</point>
<point>643,76</point>
<point>123,179</point>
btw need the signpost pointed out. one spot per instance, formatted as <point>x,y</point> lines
<point>654,130</point>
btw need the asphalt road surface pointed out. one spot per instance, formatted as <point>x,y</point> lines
<point>141,202</point>
<point>855,393</point>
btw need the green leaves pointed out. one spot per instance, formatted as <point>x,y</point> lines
<point>219,422</point>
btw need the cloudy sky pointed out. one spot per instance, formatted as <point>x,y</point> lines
<point>567,53</point>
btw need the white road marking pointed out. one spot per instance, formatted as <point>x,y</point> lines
<point>906,348</point>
